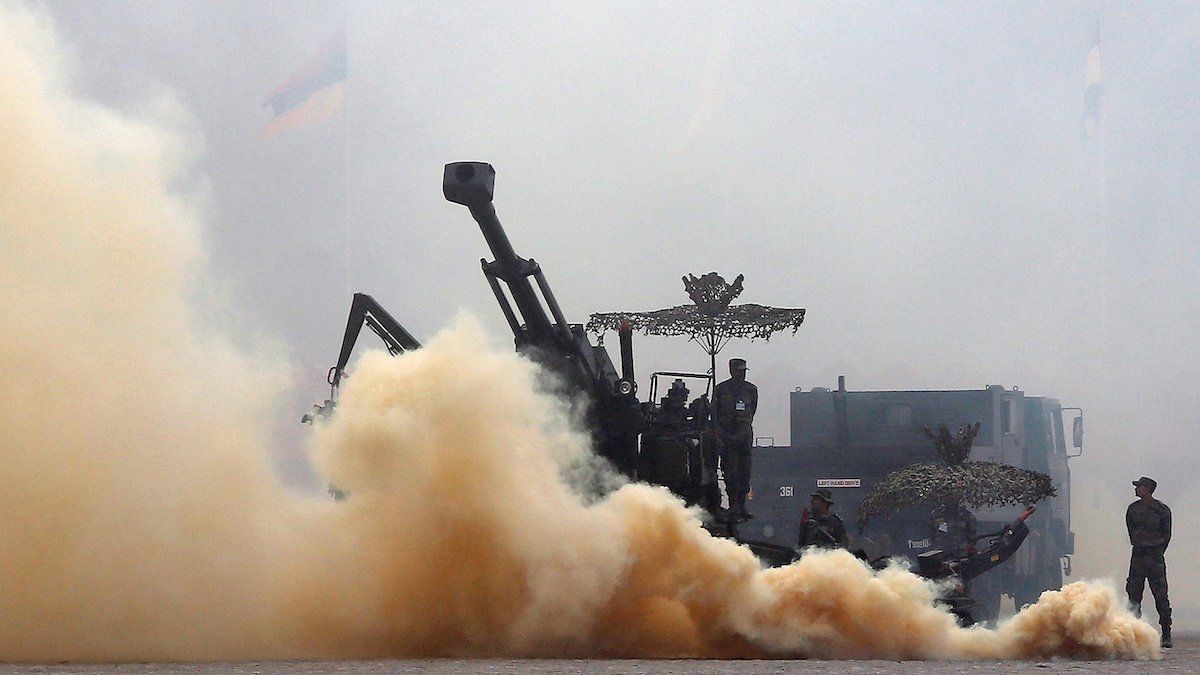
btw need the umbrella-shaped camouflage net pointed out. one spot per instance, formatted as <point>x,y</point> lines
<point>710,320</point>
<point>955,480</point>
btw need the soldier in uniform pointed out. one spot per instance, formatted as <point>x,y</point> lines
<point>734,403</point>
<point>819,526</point>
<point>953,529</point>
<point>1149,523</point>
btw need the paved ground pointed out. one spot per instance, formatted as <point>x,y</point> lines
<point>1183,658</point>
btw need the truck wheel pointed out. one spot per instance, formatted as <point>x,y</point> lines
<point>1051,580</point>
<point>987,606</point>
<point>1030,591</point>
<point>1025,596</point>
<point>1054,579</point>
<point>986,593</point>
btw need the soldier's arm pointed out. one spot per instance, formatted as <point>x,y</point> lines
<point>1129,522</point>
<point>1166,526</point>
<point>753,403</point>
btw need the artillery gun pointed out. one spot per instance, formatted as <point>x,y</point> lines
<point>666,442</point>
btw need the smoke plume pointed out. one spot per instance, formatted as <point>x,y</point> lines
<point>140,518</point>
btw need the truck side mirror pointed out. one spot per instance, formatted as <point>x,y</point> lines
<point>1077,432</point>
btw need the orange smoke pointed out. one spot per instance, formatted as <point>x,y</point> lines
<point>511,562</point>
<point>140,519</point>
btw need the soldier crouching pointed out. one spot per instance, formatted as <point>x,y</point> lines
<point>819,526</point>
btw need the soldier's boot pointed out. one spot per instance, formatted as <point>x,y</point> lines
<point>1136,608</point>
<point>731,525</point>
<point>735,509</point>
<point>712,500</point>
<point>1166,636</point>
<point>743,514</point>
<point>730,515</point>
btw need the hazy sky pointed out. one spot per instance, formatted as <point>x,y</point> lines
<point>916,177</point>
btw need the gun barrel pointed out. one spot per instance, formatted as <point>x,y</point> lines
<point>472,184</point>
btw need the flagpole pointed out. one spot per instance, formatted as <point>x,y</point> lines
<point>346,254</point>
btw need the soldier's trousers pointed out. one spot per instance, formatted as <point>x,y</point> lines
<point>735,464</point>
<point>1149,565</point>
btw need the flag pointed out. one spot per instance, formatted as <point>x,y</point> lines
<point>1093,95</point>
<point>315,92</point>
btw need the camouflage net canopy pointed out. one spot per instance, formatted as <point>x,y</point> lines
<point>740,321</point>
<point>974,484</point>
<point>710,320</point>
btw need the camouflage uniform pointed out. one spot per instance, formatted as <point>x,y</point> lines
<point>826,531</point>
<point>1149,525</point>
<point>734,403</point>
<point>823,531</point>
<point>953,529</point>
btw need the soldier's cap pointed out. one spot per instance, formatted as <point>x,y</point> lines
<point>737,363</point>
<point>1148,482</point>
<point>824,493</point>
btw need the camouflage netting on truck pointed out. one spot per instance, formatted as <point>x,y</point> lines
<point>709,315</point>
<point>975,484</point>
<point>955,480</point>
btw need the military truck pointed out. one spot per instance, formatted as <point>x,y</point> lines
<point>848,441</point>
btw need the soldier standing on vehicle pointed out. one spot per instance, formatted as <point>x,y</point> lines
<point>821,527</point>
<point>1149,523</point>
<point>734,403</point>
